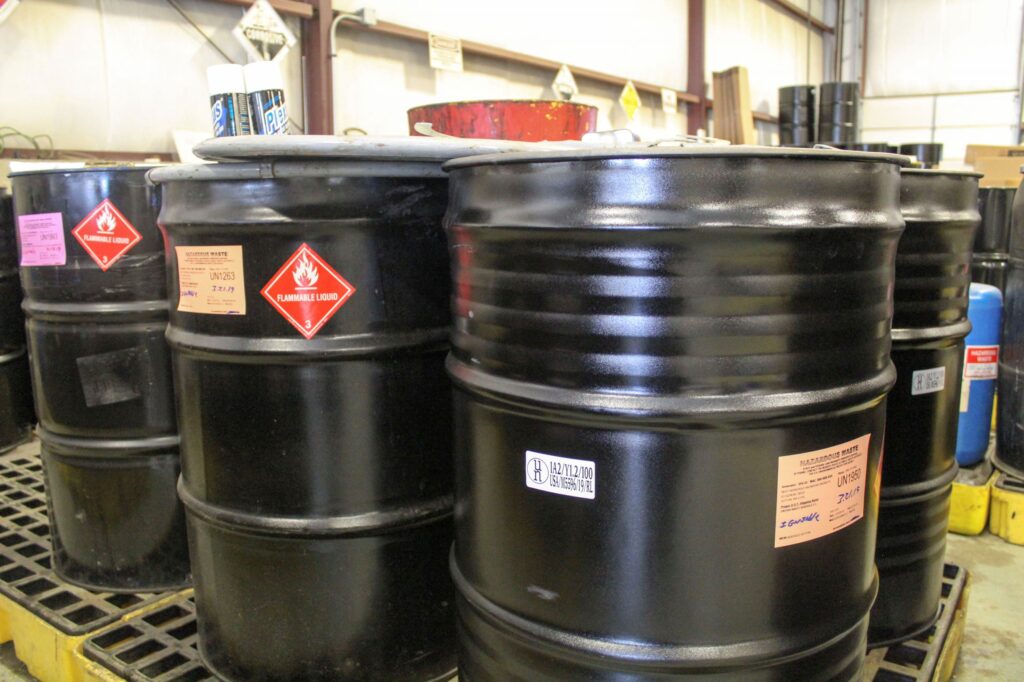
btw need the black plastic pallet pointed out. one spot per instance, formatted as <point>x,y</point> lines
<point>932,655</point>
<point>26,575</point>
<point>160,646</point>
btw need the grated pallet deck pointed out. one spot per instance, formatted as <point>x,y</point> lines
<point>159,646</point>
<point>931,657</point>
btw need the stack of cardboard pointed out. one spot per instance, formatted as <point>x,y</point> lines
<point>999,164</point>
<point>734,119</point>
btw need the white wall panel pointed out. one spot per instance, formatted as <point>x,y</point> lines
<point>997,108</point>
<point>942,46</point>
<point>896,112</point>
<point>643,39</point>
<point>116,74</point>
<point>771,44</point>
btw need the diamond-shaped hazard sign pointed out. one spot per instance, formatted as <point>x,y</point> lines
<point>106,234</point>
<point>307,291</point>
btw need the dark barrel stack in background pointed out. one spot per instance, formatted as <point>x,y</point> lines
<point>838,112</point>
<point>16,412</point>
<point>101,376</point>
<point>929,325</point>
<point>796,116</point>
<point>929,154</point>
<point>1010,424</point>
<point>654,370</point>
<point>315,412</point>
<point>992,244</point>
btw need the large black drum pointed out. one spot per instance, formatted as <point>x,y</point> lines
<point>309,326</point>
<point>93,272</point>
<point>671,368</point>
<point>933,274</point>
<point>16,414</point>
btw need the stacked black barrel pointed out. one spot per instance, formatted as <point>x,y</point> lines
<point>929,325</point>
<point>309,326</point>
<point>992,245</point>
<point>92,268</point>
<point>838,112</point>
<point>671,368</point>
<point>16,414</point>
<point>796,116</point>
<point>928,154</point>
<point>1010,425</point>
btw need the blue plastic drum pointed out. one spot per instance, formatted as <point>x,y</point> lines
<point>981,362</point>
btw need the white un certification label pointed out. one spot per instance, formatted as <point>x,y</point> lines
<point>928,381</point>
<point>560,475</point>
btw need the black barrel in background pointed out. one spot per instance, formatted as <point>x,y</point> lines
<point>838,112</point>
<point>656,355</point>
<point>928,153</point>
<point>881,147</point>
<point>1009,454</point>
<point>992,244</point>
<point>16,412</point>
<point>316,439</point>
<point>796,116</point>
<point>928,330</point>
<point>96,304</point>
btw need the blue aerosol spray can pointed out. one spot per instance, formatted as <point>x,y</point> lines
<point>265,85</point>
<point>229,103</point>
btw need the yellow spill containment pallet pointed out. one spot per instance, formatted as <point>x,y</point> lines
<point>47,619</point>
<point>932,656</point>
<point>969,502</point>
<point>1006,517</point>
<point>158,646</point>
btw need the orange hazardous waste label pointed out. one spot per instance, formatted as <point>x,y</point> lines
<point>307,291</point>
<point>820,492</point>
<point>106,234</point>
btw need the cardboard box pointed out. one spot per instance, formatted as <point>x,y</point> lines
<point>976,151</point>
<point>999,171</point>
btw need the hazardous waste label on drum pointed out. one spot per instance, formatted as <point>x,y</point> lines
<point>211,279</point>
<point>820,492</point>
<point>561,475</point>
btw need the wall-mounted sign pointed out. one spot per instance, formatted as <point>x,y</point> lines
<point>6,7</point>
<point>263,33</point>
<point>564,84</point>
<point>630,99</point>
<point>445,53</point>
<point>669,101</point>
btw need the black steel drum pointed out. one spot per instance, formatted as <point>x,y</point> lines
<point>929,325</point>
<point>309,324</point>
<point>838,112</point>
<point>928,153</point>
<point>16,414</point>
<point>659,355</point>
<point>796,115</point>
<point>1010,424</point>
<point>95,298</point>
<point>990,271</point>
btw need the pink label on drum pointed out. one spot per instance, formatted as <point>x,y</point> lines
<point>41,239</point>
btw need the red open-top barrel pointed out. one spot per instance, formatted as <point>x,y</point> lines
<point>523,119</point>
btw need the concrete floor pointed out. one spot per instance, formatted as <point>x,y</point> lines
<point>993,648</point>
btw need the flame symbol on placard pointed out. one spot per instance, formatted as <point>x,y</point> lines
<point>105,222</point>
<point>305,273</point>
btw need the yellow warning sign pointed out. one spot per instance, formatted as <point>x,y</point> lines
<point>630,99</point>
